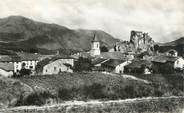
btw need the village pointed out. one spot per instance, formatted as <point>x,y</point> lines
<point>137,56</point>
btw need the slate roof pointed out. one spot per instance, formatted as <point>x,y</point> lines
<point>172,50</point>
<point>113,62</point>
<point>113,55</point>
<point>139,63</point>
<point>82,54</point>
<point>98,61</point>
<point>28,56</point>
<point>164,59</point>
<point>7,66</point>
<point>5,58</point>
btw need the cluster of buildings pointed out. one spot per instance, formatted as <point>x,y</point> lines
<point>112,61</point>
<point>36,63</point>
<point>130,61</point>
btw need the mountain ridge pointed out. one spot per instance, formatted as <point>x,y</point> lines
<point>177,44</point>
<point>21,33</point>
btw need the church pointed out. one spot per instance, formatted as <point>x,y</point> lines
<point>95,47</point>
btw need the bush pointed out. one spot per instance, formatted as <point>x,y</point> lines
<point>65,94</point>
<point>36,98</point>
<point>95,91</point>
<point>83,64</point>
<point>83,86</point>
<point>161,68</point>
<point>24,72</point>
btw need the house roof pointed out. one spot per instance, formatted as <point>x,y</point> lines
<point>164,59</point>
<point>113,62</point>
<point>172,50</point>
<point>81,54</point>
<point>98,61</point>
<point>7,66</point>
<point>138,63</point>
<point>113,55</point>
<point>46,61</point>
<point>28,56</point>
<point>5,58</point>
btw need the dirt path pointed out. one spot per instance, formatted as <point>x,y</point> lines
<point>153,104</point>
<point>130,77</point>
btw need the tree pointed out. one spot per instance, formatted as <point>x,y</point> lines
<point>24,72</point>
<point>103,49</point>
<point>83,64</point>
<point>33,50</point>
<point>156,47</point>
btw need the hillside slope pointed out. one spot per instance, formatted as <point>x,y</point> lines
<point>179,41</point>
<point>11,91</point>
<point>178,45</point>
<point>21,33</point>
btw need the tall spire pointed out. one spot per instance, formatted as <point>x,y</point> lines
<point>95,46</point>
<point>95,39</point>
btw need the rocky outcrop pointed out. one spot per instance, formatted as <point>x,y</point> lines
<point>141,40</point>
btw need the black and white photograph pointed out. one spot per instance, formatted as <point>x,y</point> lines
<point>91,56</point>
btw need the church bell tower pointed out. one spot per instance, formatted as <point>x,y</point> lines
<point>95,47</point>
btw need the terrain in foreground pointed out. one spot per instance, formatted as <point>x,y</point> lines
<point>56,89</point>
<point>144,105</point>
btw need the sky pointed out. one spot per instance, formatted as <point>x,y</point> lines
<point>162,19</point>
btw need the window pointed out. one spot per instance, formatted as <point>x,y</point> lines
<point>55,68</point>
<point>31,67</point>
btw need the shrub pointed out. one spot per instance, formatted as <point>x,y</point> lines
<point>95,91</point>
<point>36,98</point>
<point>83,64</point>
<point>65,94</point>
<point>24,72</point>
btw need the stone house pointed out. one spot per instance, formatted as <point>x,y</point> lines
<point>172,52</point>
<point>28,60</point>
<point>97,64</point>
<point>139,66</point>
<point>55,65</point>
<point>115,65</point>
<point>163,62</point>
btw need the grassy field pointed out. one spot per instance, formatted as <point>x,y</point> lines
<point>90,86</point>
<point>40,90</point>
<point>86,86</point>
<point>143,105</point>
<point>170,84</point>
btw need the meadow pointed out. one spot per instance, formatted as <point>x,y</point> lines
<point>98,86</point>
<point>39,90</point>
